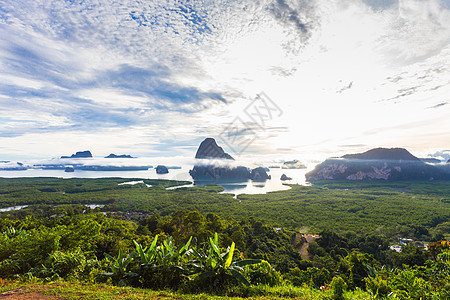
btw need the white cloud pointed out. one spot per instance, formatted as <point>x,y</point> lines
<point>184,70</point>
<point>421,29</point>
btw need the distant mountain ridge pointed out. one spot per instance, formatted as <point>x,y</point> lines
<point>378,163</point>
<point>80,154</point>
<point>112,155</point>
<point>384,154</point>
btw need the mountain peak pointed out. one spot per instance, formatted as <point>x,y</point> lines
<point>209,149</point>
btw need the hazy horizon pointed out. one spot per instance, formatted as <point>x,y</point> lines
<point>271,78</point>
<point>252,160</point>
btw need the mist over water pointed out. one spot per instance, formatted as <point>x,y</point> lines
<point>181,174</point>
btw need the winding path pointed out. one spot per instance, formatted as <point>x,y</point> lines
<point>304,248</point>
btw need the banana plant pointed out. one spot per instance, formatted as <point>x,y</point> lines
<point>147,254</point>
<point>120,266</point>
<point>11,232</point>
<point>212,265</point>
<point>165,254</point>
<point>168,254</point>
<point>162,266</point>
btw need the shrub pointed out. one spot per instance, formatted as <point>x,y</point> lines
<point>377,286</point>
<point>263,273</point>
<point>21,252</point>
<point>319,277</point>
<point>407,284</point>
<point>312,276</point>
<point>338,287</point>
<point>68,265</point>
<point>297,277</point>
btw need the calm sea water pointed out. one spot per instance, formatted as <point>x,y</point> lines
<point>244,187</point>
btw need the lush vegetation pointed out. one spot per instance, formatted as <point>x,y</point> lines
<point>408,209</point>
<point>196,240</point>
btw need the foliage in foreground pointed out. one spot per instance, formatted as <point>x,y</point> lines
<point>71,253</point>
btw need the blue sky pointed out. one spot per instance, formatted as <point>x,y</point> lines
<point>154,78</point>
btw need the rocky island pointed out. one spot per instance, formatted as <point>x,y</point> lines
<point>284,177</point>
<point>259,174</point>
<point>216,165</point>
<point>379,163</point>
<point>162,170</point>
<point>80,154</point>
<point>293,164</point>
<point>112,155</point>
<point>209,149</point>
<point>69,169</point>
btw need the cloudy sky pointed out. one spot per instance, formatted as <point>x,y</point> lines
<point>294,78</point>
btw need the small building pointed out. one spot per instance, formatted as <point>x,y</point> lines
<point>396,248</point>
<point>403,241</point>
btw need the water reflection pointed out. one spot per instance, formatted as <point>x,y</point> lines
<point>11,208</point>
<point>235,187</point>
<point>180,186</point>
<point>94,206</point>
<point>261,187</point>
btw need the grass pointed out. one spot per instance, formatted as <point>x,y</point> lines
<point>77,290</point>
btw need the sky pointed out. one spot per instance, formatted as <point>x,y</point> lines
<point>272,78</point>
